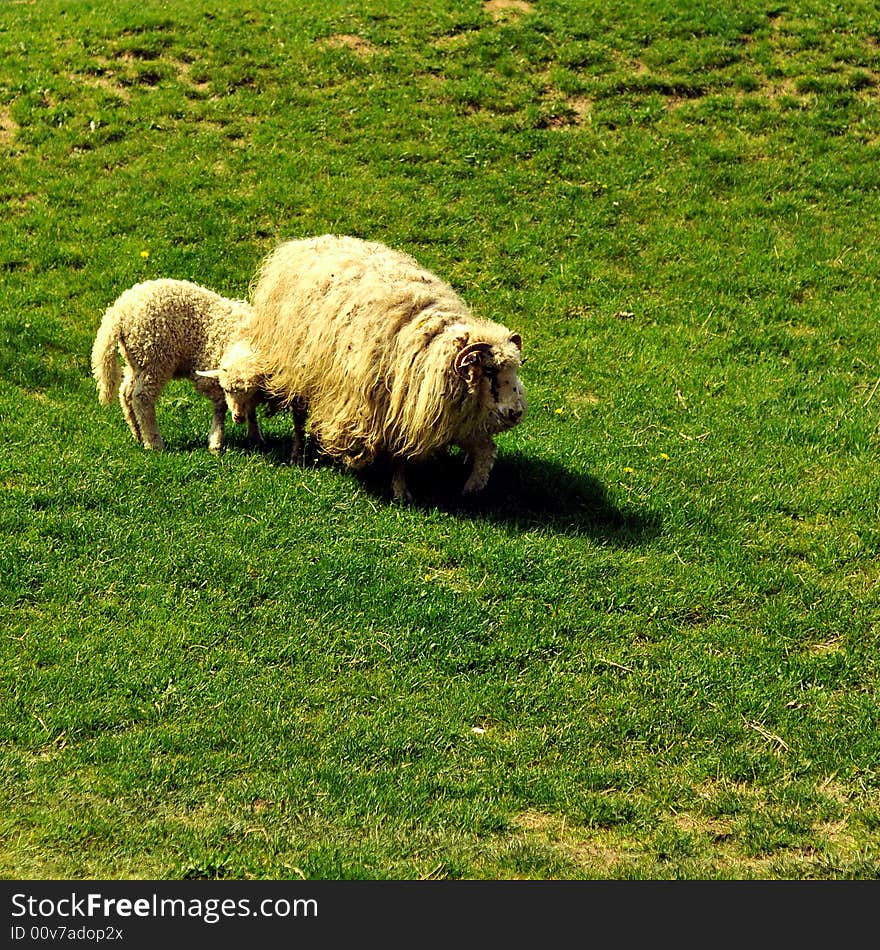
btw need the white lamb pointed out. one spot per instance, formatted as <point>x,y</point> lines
<point>384,355</point>
<point>166,329</point>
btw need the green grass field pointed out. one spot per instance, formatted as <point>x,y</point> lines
<point>651,649</point>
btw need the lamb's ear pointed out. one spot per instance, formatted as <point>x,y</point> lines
<point>208,373</point>
<point>516,340</point>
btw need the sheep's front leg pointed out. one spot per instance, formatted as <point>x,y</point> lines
<point>399,490</point>
<point>218,423</point>
<point>482,456</point>
<point>255,437</point>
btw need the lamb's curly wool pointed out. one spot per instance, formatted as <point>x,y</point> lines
<point>385,355</point>
<point>168,329</point>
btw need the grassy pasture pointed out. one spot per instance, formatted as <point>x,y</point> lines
<point>651,649</point>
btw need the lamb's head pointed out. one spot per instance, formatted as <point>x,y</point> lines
<point>240,380</point>
<point>490,371</point>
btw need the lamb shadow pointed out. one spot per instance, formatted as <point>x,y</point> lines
<point>524,493</point>
<point>276,448</point>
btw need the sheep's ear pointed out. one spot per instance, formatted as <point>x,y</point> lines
<point>516,340</point>
<point>208,373</point>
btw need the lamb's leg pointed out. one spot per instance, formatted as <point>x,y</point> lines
<point>299,432</point>
<point>125,400</point>
<point>482,455</point>
<point>144,393</point>
<point>399,490</point>
<point>218,424</point>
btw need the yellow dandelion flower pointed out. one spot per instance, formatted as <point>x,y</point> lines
<point>145,254</point>
<point>664,456</point>
<point>628,471</point>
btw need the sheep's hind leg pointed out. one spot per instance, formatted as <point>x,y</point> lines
<point>143,403</point>
<point>125,400</point>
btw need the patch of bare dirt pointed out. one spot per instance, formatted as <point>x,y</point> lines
<point>580,106</point>
<point>570,111</point>
<point>499,9</point>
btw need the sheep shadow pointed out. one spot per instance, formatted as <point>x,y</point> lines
<point>523,493</point>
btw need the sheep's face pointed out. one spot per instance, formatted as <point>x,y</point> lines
<point>504,396</point>
<point>491,374</point>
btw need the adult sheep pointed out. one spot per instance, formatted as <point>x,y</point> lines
<point>166,329</point>
<point>384,355</point>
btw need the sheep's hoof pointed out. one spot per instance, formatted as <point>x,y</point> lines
<point>215,449</point>
<point>400,493</point>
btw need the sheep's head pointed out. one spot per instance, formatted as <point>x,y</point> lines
<point>490,371</point>
<point>239,379</point>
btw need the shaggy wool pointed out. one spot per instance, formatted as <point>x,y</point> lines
<point>165,329</point>
<point>385,355</point>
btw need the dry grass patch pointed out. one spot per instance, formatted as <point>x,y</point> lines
<point>453,578</point>
<point>834,791</point>
<point>827,647</point>
<point>706,826</point>
<point>107,83</point>
<point>184,75</point>
<point>357,44</point>
<point>8,127</point>
<point>22,202</point>
<point>864,578</point>
<point>593,852</point>
<point>581,399</point>
<point>452,41</point>
<point>838,839</point>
